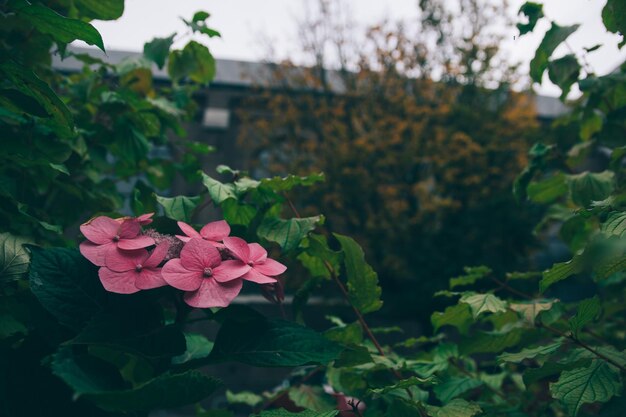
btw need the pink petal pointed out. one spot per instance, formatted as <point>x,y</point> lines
<point>176,275</point>
<point>145,219</point>
<point>150,278</point>
<point>183,238</point>
<point>198,254</point>
<point>124,260</point>
<point>118,282</point>
<point>230,270</point>
<point>96,254</point>
<point>255,276</point>
<point>270,267</point>
<point>100,230</point>
<point>129,229</point>
<point>257,252</point>
<point>138,242</point>
<point>157,255</point>
<point>238,247</point>
<point>215,231</point>
<point>188,230</point>
<point>213,294</point>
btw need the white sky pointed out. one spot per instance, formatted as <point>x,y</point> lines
<point>246,25</point>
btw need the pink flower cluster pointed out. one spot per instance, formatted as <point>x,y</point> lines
<point>210,268</point>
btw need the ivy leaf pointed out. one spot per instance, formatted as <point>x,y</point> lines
<point>311,398</point>
<point>14,259</point>
<point>363,288</point>
<point>62,29</point>
<point>615,225</point>
<point>548,190</point>
<point>552,39</point>
<point>235,213</point>
<point>459,316</point>
<point>534,12</point>
<point>472,274</point>
<point>455,408</point>
<point>588,310</point>
<point>287,233</point>
<point>262,342</point>
<point>219,192</point>
<point>306,413</point>
<point>564,72</point>
<point>100,9</point>
<point>66,284</point>
<point>179,208</point>
<point>560,271</point>
<point>158,49</point>
<point>597,382</point>
<point>530,353</point>
<point>481,303</point>
<point>454,386</point>
<point>591,186</point>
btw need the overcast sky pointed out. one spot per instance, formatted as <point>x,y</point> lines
<point>246,25</point>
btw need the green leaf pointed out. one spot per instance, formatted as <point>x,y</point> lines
<point>588,310</point>
<point>459,316</point>
<point>454,386</point>
<point>271,343</point>
<point>363,287</point>
<point>564,72</point>
<point>455,408</point>
<point>279,184</point>
<point>244,397</point>
<point>597,382</point>
<point>559,272</point>
<point>608,267</point>
<point>529,310</point>
<point>530,353</point>
<point>200,16</point>
<point>59,167</point>
<point>100,9</point>
<point>615,225</point>
<point>198,347</point>
<point>194,61</point>
<point>219,192</point>
<point>409,382</point>
<point>66,284</point>
<point>61,28</point>
<point>164,391</point>
<point>614,17</point>
<point>312,398</point>
<point>590,186</point>
<point>552,39</point>
<point>235,213</point>
<point>534,12</point>
<point>491,342</point>
<point>351,333</point>
<point>472,274</point>
<point>481,303</point>
<point>306,413</point>
<point>179,208</point>
<point>158,49</point>
<point>550,368</point>
<point>14,259</point>
<point>287,233</point>
<point>548,190</point>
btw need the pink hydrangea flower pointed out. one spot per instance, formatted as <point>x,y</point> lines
<point>207,280</point>
<point>127,272</point>
<point>104,234</point>
<point>262,268</point>
<point>213,232</point>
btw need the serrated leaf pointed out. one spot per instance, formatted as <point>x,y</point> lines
<point>244,397</point>
<point>287,233</point>
<point>609,267</point>
<point>472,274</point>
<point>597,382</point>
<point>530,353</point>
<point>346,334</point>
<point>158,49</point>
<point>179,208</point>
<point>14,259</point>
<point>412,381</point>
<point>311,398</point>
<point>548,190</point>
<point>459,316</point>
<point>219,192</point>
<point>615,225</point>
<point>271,343</point>
<point>559,272</point>
<point>452,387</point>
<point>551,40</point>
<point>481,303</point>
<point>455,408</point>
<point>588,310</point>
<point>362,282</point>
